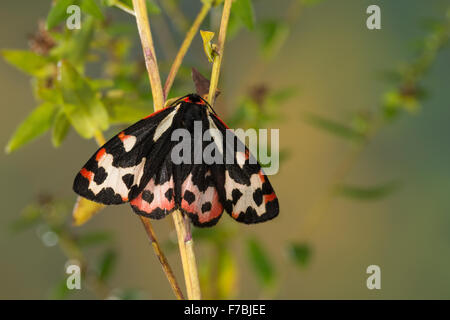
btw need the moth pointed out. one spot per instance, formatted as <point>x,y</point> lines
<point>137,166</point>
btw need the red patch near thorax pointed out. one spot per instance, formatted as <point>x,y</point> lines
<point>155,113</point>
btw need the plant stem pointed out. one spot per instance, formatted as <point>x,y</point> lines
<point>219,50</point>
<point>99,138</point>
<point>181,234</point>
<point>123,7</point>
<point>185,46</point>
<point>186,251</point>
<point>162,258</point>
<point>151,63</point>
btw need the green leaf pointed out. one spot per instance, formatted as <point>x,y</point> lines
<point>60,290</point>
<point>282,95</point>
<point>299,253</point>
<point>39,121</point>
<point>81,105</point>
<point>61,127</point>
<point>80,44</point>
<point>58,12</point>
<point>92,8</point>
<point>76,47</point>
<point>107,264</point>
<point>334,127</point>
<point>130,294</point>
<point>260,262</point>
<point>217,235</point>
<point>366,193</point>
<point>128,111</point>
<point>30,217</point>
<point>244,10</point>
<point>234,25</point>
<point>95,238</point>
<point>227,274</point>
<point>152,7</point>
<point>310,2</point>
<point>28,62</point>
<point>207,37</point>
<point>274,34</point>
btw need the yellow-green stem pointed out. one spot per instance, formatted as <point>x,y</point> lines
<point>185,46</point>
<point>186,252</point>
<point>123,7</point>
<point>148,48</point>
<point>219,50</point>
<point>162,258</point>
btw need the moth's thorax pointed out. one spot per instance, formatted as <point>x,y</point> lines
<point>191,113</point>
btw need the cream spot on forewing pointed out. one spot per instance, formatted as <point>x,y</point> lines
<point>216,134</point>
<point>240,158</point>
<point>164,125</point>
<point>246,200</point>
<point>129,142</point>
<point>115,174</point>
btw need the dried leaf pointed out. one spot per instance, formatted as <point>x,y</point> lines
<point>201,84</point>
<point>366,193</point>
<point>84,210</point>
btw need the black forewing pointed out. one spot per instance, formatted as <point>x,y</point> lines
<point>246,192</point>
<point>122,167</point>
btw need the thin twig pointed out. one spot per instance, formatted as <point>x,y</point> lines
<point>186,252</point>
<point>185,46</point>
<point>124,7</point>
<point>219,50</point>
<point>162,258</point>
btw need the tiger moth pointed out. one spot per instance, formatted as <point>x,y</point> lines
<point>136,166</point>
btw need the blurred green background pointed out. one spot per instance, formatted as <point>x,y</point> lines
<point>335,62</point>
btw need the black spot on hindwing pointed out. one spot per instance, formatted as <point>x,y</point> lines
<point>189,196</point>
<point>147,196</point>
<point>206,207</point>
<point>169,194</point>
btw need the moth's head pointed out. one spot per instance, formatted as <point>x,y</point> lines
<point>194,99</point>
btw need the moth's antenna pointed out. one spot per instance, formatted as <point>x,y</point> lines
<point>197,96</point>
<point>179,99</point>
<point>206,102</point>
